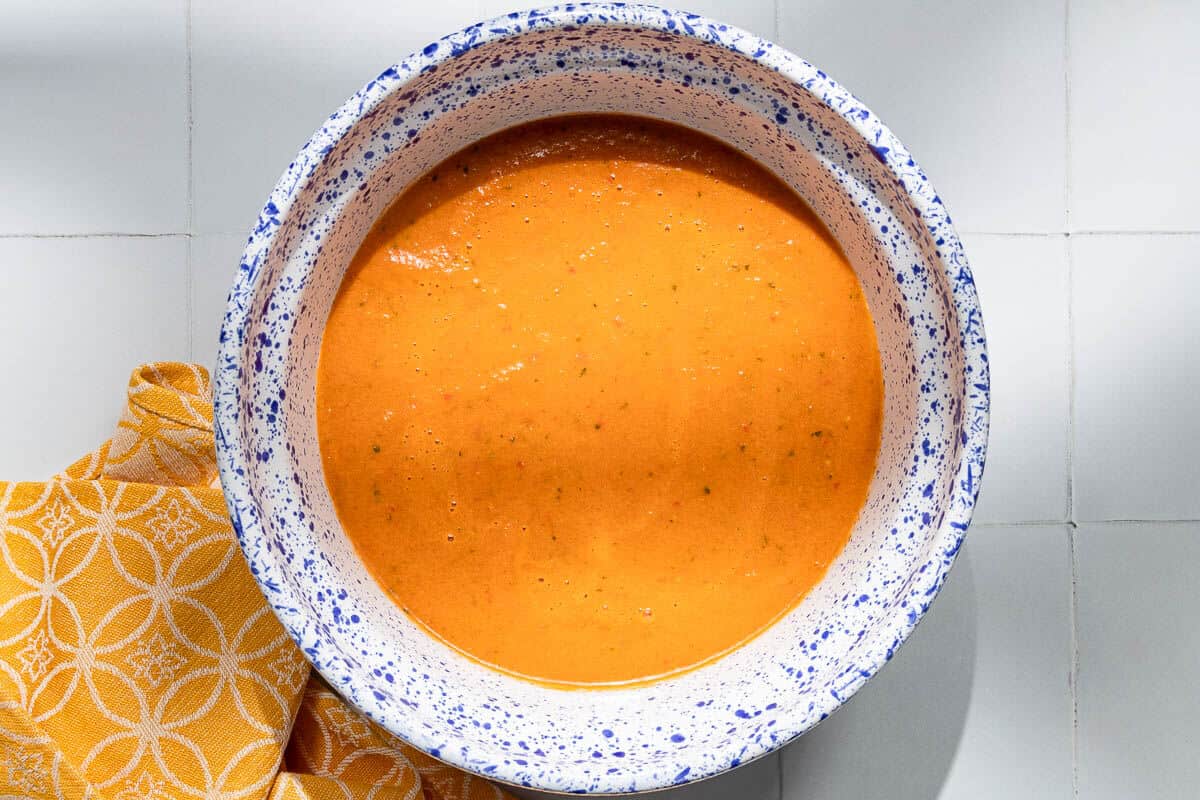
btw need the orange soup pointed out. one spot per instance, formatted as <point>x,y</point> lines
<point>598,400</point>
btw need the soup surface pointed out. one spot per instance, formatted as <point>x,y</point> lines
<point>599,399</point>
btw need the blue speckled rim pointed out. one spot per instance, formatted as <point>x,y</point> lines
<point>925,202</point>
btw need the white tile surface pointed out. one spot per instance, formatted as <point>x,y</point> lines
<point>975,89</point>
<point>214,263</point>
<point>1026,475</point>
<point>977,704</point>
<point>1137,352</point>
<point>94,137</point>
<point>1135,76</point>
<point>1139,646</point>
<point>76,317</point>
<point>265,75</point>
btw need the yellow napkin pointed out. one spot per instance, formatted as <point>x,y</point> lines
<point>138,660</point>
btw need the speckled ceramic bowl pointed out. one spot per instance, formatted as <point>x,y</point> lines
<point>789,116</point>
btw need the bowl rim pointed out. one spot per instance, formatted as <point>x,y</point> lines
<point>927,204</point>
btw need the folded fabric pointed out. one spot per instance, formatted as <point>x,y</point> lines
<point>138,660</point>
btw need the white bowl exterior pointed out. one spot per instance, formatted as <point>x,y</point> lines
<point>877,203</point>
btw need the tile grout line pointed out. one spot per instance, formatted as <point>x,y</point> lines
<point>1077,233</point>
<point>1073,677</point>
<point>1072,515</point>
<point>779,772</point>
<point>1067,171</point>
<point>1052,523</point>
<point>1133,232</point>
<point>1172,523</point>
<point>777,21</point>
<point>189,280</point>
<point>1027,523</point>
<point>1072,527</point>
<point>188,313</point>
<point>1013,234</point>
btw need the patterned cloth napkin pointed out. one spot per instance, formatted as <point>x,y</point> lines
<point>138,660</point>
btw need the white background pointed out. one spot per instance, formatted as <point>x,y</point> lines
<point>139,138</point>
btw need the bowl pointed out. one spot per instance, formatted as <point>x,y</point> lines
<point>768,103</point>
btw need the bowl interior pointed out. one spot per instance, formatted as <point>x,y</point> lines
<point>789,117</point>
